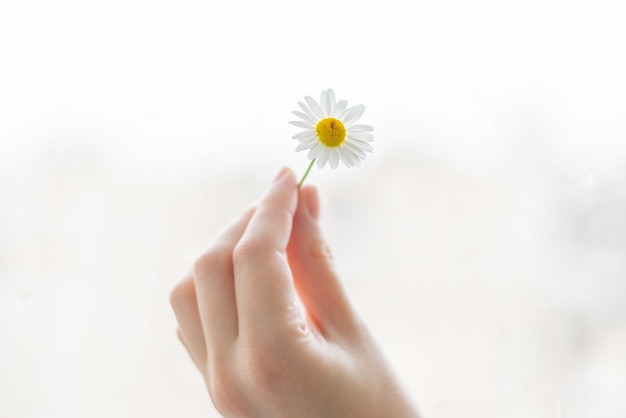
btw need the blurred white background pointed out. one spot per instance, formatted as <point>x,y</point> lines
<point>484,241</point>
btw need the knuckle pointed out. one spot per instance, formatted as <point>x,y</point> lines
<point>247,249</point>
<point>208,261</point>
<point>179,293</point>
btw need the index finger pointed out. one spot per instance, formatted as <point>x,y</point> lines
<point>263,283</point>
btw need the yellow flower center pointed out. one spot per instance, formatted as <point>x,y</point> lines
<point>330,132</point>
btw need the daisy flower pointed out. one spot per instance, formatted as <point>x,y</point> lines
<point>331,133</point>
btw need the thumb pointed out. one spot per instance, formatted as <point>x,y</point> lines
<point>314,277</point>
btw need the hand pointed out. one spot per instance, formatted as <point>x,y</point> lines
<point>260,355</point>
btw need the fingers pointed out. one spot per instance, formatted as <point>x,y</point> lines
<point>215,287</point>
<point>181,338</point>
<point>263,282</point>
<point>314,277</point>
<point>185,306</point>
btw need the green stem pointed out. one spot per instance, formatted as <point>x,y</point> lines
<point>306,173</point>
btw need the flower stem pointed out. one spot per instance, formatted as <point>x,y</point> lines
<point>306,172</point>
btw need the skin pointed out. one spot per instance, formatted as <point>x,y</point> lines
<point>260,352</point>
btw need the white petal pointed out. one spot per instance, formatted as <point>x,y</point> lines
<point>345,156</point>
<point>309,142</point>
<point>302,146</point>
<point>355,149</point>
<point>334,158</point>
<point>361,128</point>
<point>362,144</point>
<point>307,110</point>
<point>353,114</point>
<point>340,109</point>
<point>301,124</point>
<point>363,136</point>
<point>356,159</point>
<point>325,103</point>
<point>315,108</point>
<point>331,102</point>
<point>323,157</point>
<point>315,151</point>
<point>304,117</point>
<point>305,134</point>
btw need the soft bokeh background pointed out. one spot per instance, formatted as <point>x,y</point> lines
<point>484,241</point>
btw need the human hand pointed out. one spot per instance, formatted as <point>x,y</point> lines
<point>260,355</point>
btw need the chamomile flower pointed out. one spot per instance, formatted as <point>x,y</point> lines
<point>331,133</point>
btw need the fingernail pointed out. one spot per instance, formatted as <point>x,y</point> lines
<point>312,203</point>
<point>281,174</point>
